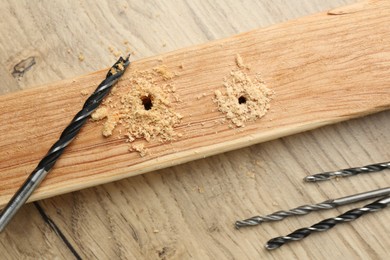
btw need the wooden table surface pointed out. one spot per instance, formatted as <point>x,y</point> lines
<point>186,211</point>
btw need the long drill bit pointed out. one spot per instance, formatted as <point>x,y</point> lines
<point>329,223</point>
<point>70,132</point>
<point>306,209</point>
<point>348,172</point>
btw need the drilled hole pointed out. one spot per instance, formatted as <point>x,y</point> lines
<point>242,100</point>
<point>147,102</point>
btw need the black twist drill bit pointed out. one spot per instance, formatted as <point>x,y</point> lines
<point>348,172</point>
<point>306,209</point>
<point>279,215</point>
<point>329,223</point>
<point>45,165</point>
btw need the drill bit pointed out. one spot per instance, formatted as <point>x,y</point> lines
<point>306,209</point>
<point>70,132</point>
<point>329,223</point>
<point>348,172</point>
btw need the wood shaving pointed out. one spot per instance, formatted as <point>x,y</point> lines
<point>81,57</point>
<point>251,174</point>
<point>84,92</point>
<point>164,73</point>
<point>243,98</point>
<point>198,189</point>
<point>140,148</point>
<point>240,63</point>
<point>114,52</point>
<point>109,126</point>
<point>113,71</point>
<point>99,114</point>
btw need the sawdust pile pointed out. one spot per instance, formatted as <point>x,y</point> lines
<point>243,98</point>
<point>141,108</point>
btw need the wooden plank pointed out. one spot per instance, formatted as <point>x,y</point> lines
<point>323,69</point>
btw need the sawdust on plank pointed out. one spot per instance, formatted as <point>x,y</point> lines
<point>141,109</point>
<point>243,98</point>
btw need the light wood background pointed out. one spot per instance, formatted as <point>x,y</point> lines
<point>185,211</point>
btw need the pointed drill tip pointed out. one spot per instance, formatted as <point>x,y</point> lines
<point>126,59</point>
<point>275,243</point>
<point>310,178</point>
<point>271,246</point>
<point>237,224</point>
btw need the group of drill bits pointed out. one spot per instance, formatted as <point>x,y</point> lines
<point>324,225</point>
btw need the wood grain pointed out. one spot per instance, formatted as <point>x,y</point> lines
<point>192,205</point>
<point>323,69</point>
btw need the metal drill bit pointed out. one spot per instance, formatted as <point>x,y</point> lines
<point>329,223</point>
<point>45,165</point>
<point>306,209</point>
<point>348,172</point>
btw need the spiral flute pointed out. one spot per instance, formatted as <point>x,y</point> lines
<point>329,223</point>
<point>348,172</point>
<point>70,132</point>
<point>306,209</point>
<point>279,215</point>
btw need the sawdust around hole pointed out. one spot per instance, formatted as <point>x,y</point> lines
<point>141,108</point>
<point>243,98</point>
